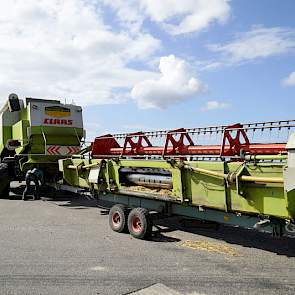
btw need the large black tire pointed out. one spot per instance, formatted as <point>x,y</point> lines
<point>140,223</point>
<point>118,218</point>
<point>4,181</point>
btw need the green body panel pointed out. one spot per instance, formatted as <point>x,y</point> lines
<point>42,135</point>
<point>205,190</point>
<point>11,125</point>
<point>34,148</point>
<point>19,132</point>
<point>268,199</point>
<point>6,134</point>
<point>197,189</point>
<point>76,177</point>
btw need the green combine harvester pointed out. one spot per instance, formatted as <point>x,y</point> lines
<point>35,133</point>
<point>213,174</point>
<point>239,175</point>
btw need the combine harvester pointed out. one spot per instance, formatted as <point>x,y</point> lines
<point>35,133</point>
<point>240,175</point>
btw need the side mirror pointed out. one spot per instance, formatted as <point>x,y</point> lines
<point>13,103</point>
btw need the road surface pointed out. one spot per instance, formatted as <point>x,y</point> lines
<point>65,246</point>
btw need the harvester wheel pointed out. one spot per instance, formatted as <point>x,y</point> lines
<point>140,223</point>
<point>118,218</point>
<point>4,181</point>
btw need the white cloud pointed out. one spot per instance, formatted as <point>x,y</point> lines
<point>259,42</point>
<point>174,84</point>
<point>128,12</point>
<point>210,65</point>
<point>290,80</point>
<point>215,105</point>
<point>187,16</point>
<point>175,16</point>
<point>52,48</point>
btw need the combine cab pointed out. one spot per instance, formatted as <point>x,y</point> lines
<point>35,133</point>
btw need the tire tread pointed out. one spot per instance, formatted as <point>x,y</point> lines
<point>143,213</point>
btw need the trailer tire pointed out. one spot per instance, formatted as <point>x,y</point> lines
<point>140,223</point>
<point>4,181</point>
<point>118,218</point>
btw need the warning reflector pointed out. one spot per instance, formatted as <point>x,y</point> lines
<point>62,150</point>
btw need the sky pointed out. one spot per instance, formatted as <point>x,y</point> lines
<point>148,64</point>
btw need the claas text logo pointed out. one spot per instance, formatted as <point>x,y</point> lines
<point>57,122</point>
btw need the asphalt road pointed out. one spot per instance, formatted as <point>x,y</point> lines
<point>66,247</point>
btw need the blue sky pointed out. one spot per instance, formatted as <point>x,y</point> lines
<point>140,65</point>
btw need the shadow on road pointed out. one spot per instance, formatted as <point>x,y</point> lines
<point>17,192</point>
<point>60,198</point>
<point>157,236</point>
<point>233,235</point>
<point>73,201</point>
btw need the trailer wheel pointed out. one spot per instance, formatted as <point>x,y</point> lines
<point>4,181</point>
<point>118,218</point>
<point>140,223</point>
